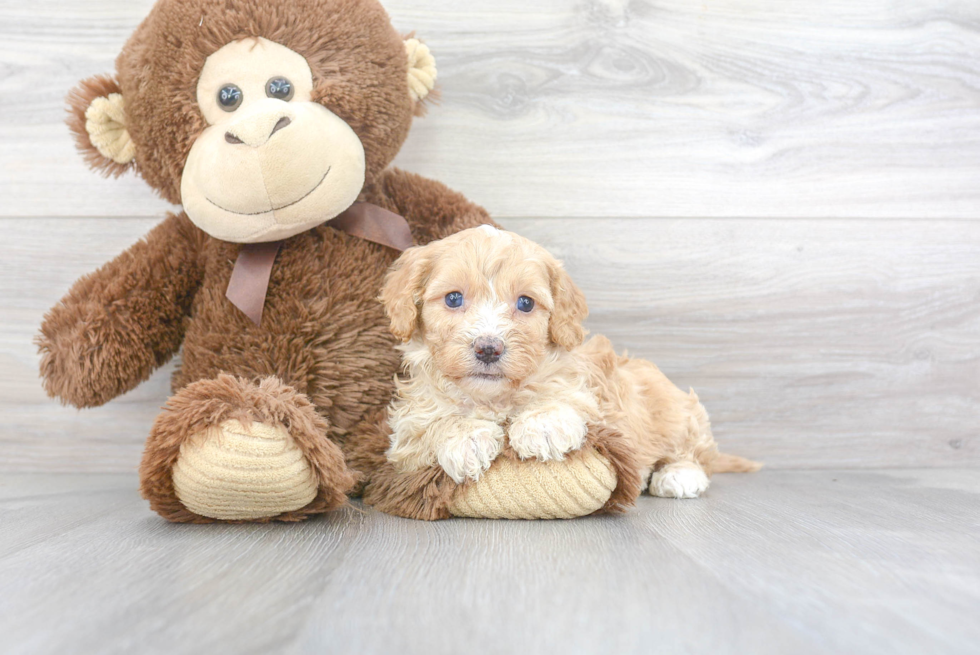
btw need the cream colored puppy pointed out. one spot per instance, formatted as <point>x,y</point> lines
<point>493,353</point>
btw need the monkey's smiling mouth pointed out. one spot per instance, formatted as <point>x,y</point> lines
<point>274,209</point>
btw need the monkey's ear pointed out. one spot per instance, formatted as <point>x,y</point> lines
<point>403,289</point>
<point>97,118</point>
<point>421,71</point>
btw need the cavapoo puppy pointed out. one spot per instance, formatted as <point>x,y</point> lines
<point>494,354</point>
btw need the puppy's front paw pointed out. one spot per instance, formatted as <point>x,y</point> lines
<point>470,451</point>
<point>548,434</point>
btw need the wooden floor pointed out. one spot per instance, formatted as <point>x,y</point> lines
<point>778,562</point>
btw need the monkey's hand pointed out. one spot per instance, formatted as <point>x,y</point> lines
<point>118,324</point>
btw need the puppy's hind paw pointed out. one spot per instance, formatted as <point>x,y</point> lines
<point>469,453</point>
<point>679,480</point>
<point>548,434</point>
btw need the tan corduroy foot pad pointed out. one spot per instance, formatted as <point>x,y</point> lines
<point>230,472</point>
<point>576,486</point>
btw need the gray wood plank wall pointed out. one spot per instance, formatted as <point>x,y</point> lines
<point>775,201</point>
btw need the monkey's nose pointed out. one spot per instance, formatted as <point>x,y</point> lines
<point>281,123</point>
<point>488,349</point>
<point>233,139</point>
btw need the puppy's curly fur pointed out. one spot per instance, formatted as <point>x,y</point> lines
<point>542,385</point>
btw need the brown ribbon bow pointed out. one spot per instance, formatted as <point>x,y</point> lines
<point>253,268</point>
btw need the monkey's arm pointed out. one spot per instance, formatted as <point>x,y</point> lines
<point>118,324</point>
<point>432,209</point>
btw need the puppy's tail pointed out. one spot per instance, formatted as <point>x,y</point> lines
<point>725,463</point>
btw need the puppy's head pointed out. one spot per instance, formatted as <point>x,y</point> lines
<point>488,306</point>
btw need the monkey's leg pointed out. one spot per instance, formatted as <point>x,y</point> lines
<point>232,450</point>
<point>424,494</point>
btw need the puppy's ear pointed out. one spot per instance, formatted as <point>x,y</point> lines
<point>565,327</point>
<point>402,291</point>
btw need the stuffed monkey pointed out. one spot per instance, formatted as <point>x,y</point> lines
<point>273,123</point>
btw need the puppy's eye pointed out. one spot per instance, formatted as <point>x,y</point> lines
<point>279,88</point>
<point>525,304</point>
<point>454,299</point>
<point>229,97</point>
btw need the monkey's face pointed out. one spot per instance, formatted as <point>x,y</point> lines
<point>271,163</point>
<point>263,119</point>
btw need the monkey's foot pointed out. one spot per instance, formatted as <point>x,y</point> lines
<point>230,450</point>
<point>235,472</point>
<point>577,485</point>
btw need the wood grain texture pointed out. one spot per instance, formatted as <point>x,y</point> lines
<point>557,108</point>
<point>812,343</point>
<point>775,562</point>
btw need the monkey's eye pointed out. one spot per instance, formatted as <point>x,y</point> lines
<point>525,304</point>
<point>279,88</point>
<point>454,299</point>
<point>229,97</point>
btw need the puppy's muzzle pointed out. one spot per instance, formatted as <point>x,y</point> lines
<point>488,349</point>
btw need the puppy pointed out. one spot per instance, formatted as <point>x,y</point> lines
<point>493,353</point>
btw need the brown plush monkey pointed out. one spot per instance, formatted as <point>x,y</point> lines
<point>266,120</point>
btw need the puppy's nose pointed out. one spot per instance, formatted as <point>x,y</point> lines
<point>488,349</point>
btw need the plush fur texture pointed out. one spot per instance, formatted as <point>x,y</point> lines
<point>208,403</point>
<point>117,325</point>
<point>358,60</point>
<point>456,411</point>
<point>323,359</point>
<point>427,493</point>
<point>79,99</point>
